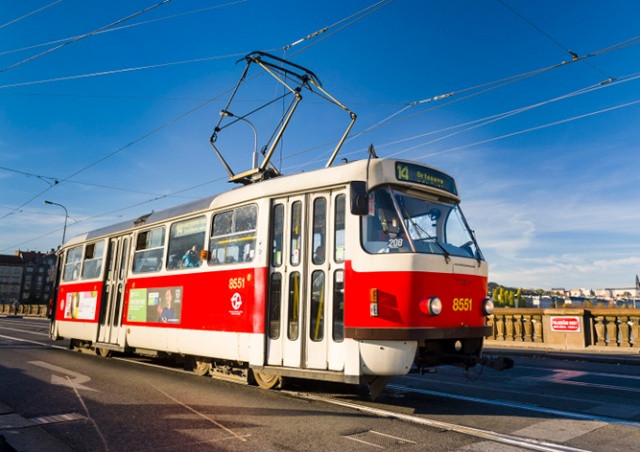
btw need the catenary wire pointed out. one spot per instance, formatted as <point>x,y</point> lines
<point>548,36</point>
<point>123,27</point>
<point>86,35</point>
<point>629,42</point>
<point>29,14</point>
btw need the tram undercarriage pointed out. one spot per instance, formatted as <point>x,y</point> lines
<point>465,353</point>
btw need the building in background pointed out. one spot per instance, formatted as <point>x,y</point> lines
<point>27,277</point>
<point>11,269</point>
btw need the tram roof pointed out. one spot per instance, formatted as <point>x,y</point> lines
<point>153,217</point>
<point>288,184</point>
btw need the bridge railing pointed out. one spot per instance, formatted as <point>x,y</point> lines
<point>567,329</point>
<point>27,310</point>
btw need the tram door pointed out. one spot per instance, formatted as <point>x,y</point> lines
<point>110,329</point>
<point>286,282</point>
<point>304,268</point>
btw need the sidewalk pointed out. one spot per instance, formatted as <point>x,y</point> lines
<point>624,356</point>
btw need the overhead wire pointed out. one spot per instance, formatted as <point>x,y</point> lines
<point>359,15</point>
<point>573,54</point>
<point>632,41</point>
<point>118,71</point>
<point>123,27</point>
<point>532,129</point>
<point>86,35</point>
<point>367,10</point>
<point>470,125</point>
<point>474,90</point>
<point>29,14</point>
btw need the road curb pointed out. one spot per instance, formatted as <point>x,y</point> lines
<point>605,358</point>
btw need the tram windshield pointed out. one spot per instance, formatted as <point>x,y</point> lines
<point>403,222</point>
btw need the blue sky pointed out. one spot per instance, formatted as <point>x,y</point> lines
<point>551,187</point>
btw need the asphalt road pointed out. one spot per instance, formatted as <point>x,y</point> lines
<point>54,399</point>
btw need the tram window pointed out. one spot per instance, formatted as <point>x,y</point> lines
<point>338,252</point>
<point>275,292</point>
<point>92,264</point>
<point>186,240</point>
<point>338,306</point>
<point>316,313</point>
<point>294,304</point>
<point>149,251</point>
<point>319,230</point>
<point>123,260</point>
<point>277,228</point>
<point>72,264</point>
<point>382,229</point>
<point>233,236</point>
<point>296,232</point>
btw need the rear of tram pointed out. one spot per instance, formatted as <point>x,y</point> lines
<point>416,289</point>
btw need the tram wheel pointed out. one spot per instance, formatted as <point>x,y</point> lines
<point>104,352</point>
<point>267,381</point>
<point>200,368</point>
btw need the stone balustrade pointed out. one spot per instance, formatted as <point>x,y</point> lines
<point>30,310</point>
<point>567,329</point>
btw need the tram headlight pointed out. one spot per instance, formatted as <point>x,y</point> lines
<point>487,306</point>
<point>431,306</point>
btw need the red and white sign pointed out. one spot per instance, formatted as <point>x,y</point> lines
<point>565,324</point>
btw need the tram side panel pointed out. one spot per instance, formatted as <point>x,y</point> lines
<point>78,310</point>
<point>211,314</point>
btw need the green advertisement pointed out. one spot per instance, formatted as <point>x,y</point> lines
<point>137,305</point>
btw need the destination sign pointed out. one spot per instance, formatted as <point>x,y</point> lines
<point>409,172</point>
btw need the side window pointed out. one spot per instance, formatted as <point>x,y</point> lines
<point>277,228</point>
<point>149,251</point>
<point>295,233</point>
<point>338,240</point>
<point>275,293</point>
<point>319,230</point>
<point>186,241</point>
<point>72,264</point>
<point>92,264</point>
<point>338,306</point>
<point>233,236</point>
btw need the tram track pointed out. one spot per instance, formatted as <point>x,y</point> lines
<point>487,435</point>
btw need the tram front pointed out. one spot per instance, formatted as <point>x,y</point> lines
<point>417,285</point>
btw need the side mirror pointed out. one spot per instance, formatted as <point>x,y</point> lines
<point>359,198</point>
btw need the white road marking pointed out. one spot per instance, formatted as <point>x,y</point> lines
<point>71,379</point>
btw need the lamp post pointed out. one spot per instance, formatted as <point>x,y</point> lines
<point>255,133</point>
<point>66,216</point>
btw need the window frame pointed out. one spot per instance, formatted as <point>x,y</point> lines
<point>139,251</point>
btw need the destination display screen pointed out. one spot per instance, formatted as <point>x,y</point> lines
<point>409,172</point>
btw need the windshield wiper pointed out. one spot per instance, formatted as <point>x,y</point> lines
<point>420,230</point>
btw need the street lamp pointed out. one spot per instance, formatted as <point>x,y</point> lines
<point>66,216</point>
<point>255,134</point>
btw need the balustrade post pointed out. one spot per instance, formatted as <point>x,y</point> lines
<point>599,330</point>
<point>528,328</point>
<point>537,328</point>
<point>499,327</point>
<point>634,331</point>
<point>624,331</point>
<point>517,327</point>
<point>508,324</point>
<point>611,336</point>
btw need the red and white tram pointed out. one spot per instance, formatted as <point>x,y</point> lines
<point>351,273</point>
<point>346,273</point>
